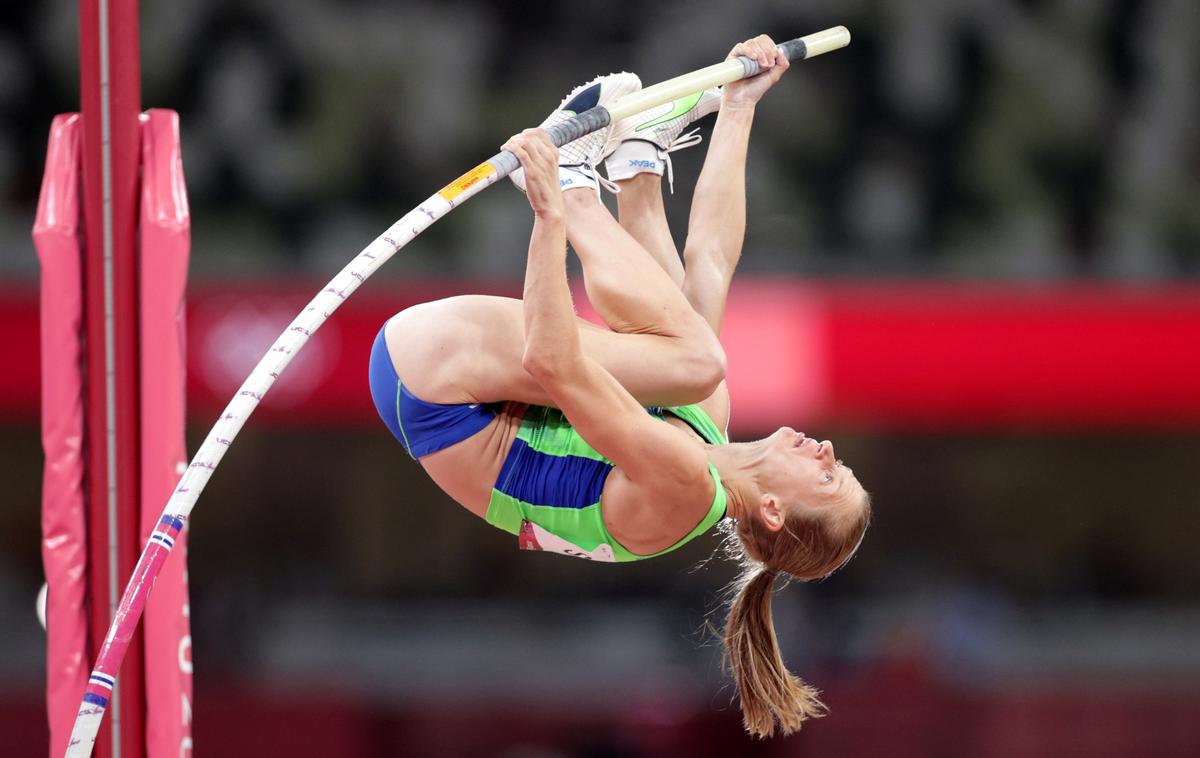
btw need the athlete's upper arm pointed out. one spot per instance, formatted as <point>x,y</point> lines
<point>648,451</point>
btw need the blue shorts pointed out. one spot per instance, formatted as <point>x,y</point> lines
<point>422,427</point>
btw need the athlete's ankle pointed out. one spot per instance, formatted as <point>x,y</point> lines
<point>634,158</point>
<point>643,182</point>
<point>580,195</point>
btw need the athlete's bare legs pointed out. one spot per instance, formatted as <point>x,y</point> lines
<point>469,349</point>
<point>641,212</point>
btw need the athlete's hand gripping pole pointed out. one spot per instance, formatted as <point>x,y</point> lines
<point>99,691</point>
<point>801,48</point>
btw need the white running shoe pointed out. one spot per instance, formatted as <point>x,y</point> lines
<point>578,159</point>
<point>648,138</point>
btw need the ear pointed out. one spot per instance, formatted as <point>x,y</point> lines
<point>771,512</point>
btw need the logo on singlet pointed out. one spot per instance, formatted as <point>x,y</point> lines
<point>534,537</point>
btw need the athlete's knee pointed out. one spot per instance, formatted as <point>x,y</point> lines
<point>706,363</point>
<point>715,366</point>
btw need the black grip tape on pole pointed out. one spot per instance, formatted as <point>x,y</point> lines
<point>794,49</point>
<point>585,123</point>
<point>505,163</point>
<point>560,134</point>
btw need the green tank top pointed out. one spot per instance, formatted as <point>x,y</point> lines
<point>549,488</point>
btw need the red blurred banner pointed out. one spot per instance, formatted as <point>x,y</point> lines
<point>887,356</point>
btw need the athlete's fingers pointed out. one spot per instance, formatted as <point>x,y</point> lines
<point>515,145</point>
<point>539,158</point>
<point>541,137</point>
<point>508,143</point>
<point>529,161</point>
<point>777,56</point>
<point>742,49</point>
<point>541,180</point>
<point>766,50</point>
<point>543,148</point>
<point>781,60</point>
<point>518,149</point>
<point>528,148</point>
<point>760,49</point>
<point>538,146</point>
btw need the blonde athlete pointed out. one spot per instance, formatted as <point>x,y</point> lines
<point>610,444</point>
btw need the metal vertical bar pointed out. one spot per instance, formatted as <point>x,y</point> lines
<point>110,91</point>
<point>110,347</point>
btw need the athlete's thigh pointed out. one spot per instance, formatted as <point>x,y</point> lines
<point>469,349</point>
<point>446,351</point>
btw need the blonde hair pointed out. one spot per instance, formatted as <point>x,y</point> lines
<point>811,545</point>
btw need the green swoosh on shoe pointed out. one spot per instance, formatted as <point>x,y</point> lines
<point>682,106</point>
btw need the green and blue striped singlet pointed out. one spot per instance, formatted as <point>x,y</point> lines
<point>549,488</point>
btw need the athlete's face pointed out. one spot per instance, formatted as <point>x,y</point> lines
<point>800,471</point>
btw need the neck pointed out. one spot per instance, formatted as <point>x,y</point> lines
<point>736,464</point>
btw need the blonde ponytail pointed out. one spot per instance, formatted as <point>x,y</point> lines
<point>806,548</point>
<point>770,695</point>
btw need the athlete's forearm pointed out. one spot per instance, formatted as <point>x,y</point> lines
<point>717,224</point>
<point>551,335</point>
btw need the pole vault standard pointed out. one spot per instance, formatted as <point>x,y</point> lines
<point>99,689</point>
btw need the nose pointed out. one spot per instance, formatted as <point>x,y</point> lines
<point>825,452</point>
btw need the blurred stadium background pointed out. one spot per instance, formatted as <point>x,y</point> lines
<point>999,187</point>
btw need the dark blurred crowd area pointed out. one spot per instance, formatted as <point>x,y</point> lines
<point>994,138</point>
<point>1021,592</point>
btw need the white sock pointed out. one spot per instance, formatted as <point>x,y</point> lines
<point>569,177</point>
<point>576,177</point>
<point>633,157</point>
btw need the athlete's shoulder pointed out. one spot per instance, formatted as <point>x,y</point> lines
<point>648,519</point>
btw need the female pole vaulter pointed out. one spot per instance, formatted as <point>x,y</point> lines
<point>610,444</point>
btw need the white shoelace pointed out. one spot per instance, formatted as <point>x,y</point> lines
<point>589,171</point>
<point>603,181</point>
<point>682,142</point>
<point>596,176</point>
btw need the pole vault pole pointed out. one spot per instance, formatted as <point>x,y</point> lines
<point>284,349</point>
